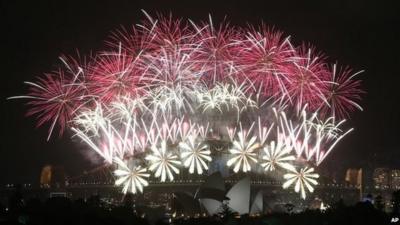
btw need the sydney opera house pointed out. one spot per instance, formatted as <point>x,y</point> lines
<point>212,196</point>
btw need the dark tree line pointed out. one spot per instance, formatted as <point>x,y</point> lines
<point>60,211</point>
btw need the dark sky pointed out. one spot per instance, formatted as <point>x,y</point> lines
<point>365,36</point>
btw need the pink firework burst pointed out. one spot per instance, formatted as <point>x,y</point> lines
<point>342,93</point>
<point>115,74</point>
<point>215,50</point>
<point>169,33</point>
<point>55,98</point>
<point>264,56</point>
<point>133,41</point>
<point>307,83</point>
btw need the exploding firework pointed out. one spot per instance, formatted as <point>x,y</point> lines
<point>243,153</point>
<point>55,98</point>
<point>163,162</point>
<point>195,155</point>
<point>132,179</point>
<point>303,179</point>
<point>342,93</point>
<point>167,89</point>
<point>277,155</point>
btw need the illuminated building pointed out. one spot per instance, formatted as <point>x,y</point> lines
<point>381,178</point>
<point>45,176</point>
<point>395,179</point>
<point>353,177</point>
<point>52,176</point>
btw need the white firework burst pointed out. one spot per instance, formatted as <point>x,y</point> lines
<point>226,96</point>
<point>277,155</point>
<point>131,178</point>
<point>302,179</point>
<point>243,153</point>
<point>195,155</point>
<point>126,108</point>
<point>210,100</point>
<point>89,120</point>
<point>172,78</point>
<point>163,162</point>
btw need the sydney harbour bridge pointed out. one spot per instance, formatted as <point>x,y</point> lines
<point>184,188</point>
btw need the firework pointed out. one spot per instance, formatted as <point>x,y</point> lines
<point>264,56</point>
<point>225,97</point>
<point>302,180</point>
<point>342,93</point>
<point>243,152</point>
<point>307,79</point>
<point>166,89</point>
<point>215,53</point>
<point>132,179</point>
<point>114,74</point>
<point>277,155</point>
<point>163,162</point>
<point>195,155</point>
<point>55,99</point>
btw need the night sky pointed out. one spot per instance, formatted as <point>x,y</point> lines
<point>365,36</point>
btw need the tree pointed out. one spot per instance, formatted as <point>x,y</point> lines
<point>225,213</point>
<point>128,201</point>
<point>289,207</point>
<point>396,202</point>
<point>379,205</point>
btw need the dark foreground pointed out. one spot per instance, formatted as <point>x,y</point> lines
<point>61,210</point>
